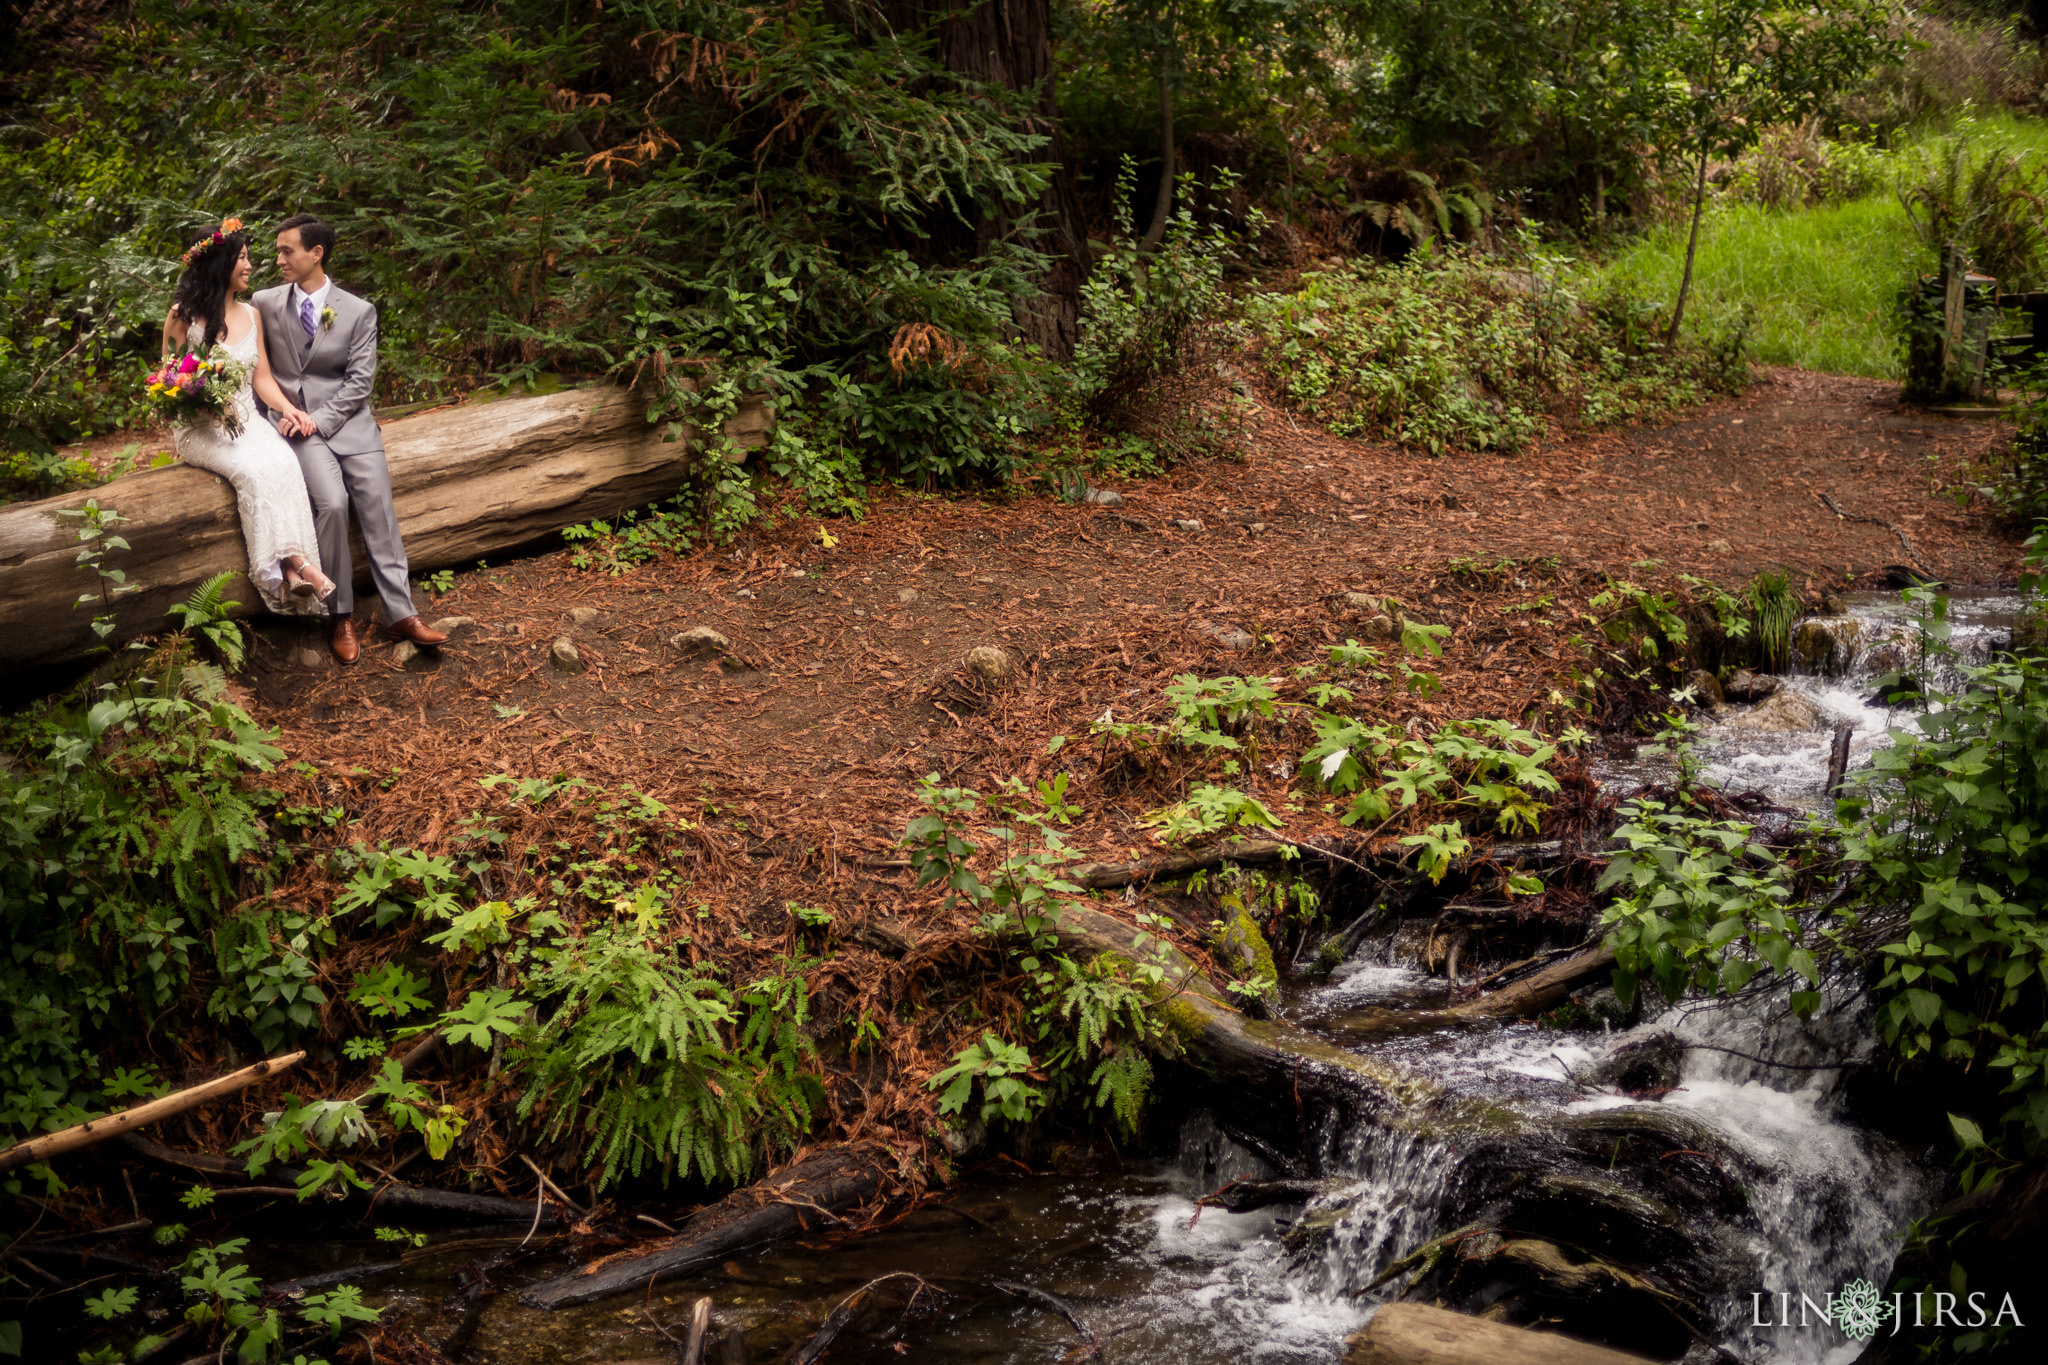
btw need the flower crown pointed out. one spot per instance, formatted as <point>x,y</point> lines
<point>209,242</point>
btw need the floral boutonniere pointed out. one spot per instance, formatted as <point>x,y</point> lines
<point>326,318</point>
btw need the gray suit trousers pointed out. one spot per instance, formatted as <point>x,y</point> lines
<point>364,480</point>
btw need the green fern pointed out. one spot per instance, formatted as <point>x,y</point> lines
<point>1123,1082</point>
<point>205,613</point>
<point>635,1062</point>
<point>1770,597</point>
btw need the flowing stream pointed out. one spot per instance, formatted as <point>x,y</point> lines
<point>1811,1199</point>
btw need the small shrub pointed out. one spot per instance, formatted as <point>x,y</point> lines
<point>1990,199</point>
<point>1150,323</point>
<point>1794,166</point>
<point>1455,351</point>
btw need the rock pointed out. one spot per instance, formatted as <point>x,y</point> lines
<point>1187,524</point>
<point>1720,547</point>
<point>1648,1068</point>
<point>906,596</point>
<point>995,667</point>
<point>1419,1334</point>
<point>699,642</point>
<point>565,656</point>
<point>1105,497</point>
<point>1258,528</point>
<point>583,616</point>
<point>448,625</point>
<point>1781,713</point>
<point>1833,604</point>
<point>1379,627</point>
<point>1826,644</point>
<point>1706,688</point>
<point>1748,686</point>
<point>1226,637</point>
<point>962,1137</point>
<point>308,656</point>
<point>404,652</point>
<point>746,594</point>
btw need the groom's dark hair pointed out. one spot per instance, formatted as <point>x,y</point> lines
<point>312,233</point>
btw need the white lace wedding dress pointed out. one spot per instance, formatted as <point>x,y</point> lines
<point>270,492</point>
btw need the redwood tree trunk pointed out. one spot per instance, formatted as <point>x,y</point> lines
<point>1163,204</point>
<point>1009,43</point>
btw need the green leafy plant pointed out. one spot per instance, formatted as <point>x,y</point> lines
<point>1945,832</point>
<point>1701,905</point>
<point>1003,1071</point>
<point>205,615</point>
<point>337,1308</point>
<point>112,1303</point>
<point>639,1060</point>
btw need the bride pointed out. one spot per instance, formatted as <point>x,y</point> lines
<point>270,492</point>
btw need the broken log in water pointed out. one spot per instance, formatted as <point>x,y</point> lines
<point>795,1199</point>
<point>467,482</point>
<point>1413,1334</point>
<point>137,1116</point>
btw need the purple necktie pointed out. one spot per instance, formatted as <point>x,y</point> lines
<point>306,316</point>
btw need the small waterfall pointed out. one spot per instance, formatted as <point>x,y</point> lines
<point>1780,745</point>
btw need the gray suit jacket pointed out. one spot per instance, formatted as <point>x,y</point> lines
<point>332,375</point>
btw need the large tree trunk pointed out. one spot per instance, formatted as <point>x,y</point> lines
<point>468,482</point>
<point>1009,43</point>
<point>1162,204</point>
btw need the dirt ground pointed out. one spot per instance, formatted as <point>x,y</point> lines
<point>843,686</point>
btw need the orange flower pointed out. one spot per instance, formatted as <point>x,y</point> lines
<point>228,225</point>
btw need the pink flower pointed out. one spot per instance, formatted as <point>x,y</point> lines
<point>188,364</point>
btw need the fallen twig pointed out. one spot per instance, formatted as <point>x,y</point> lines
<point>1893,527</point>
<point>98,1130</point>
<point>835,1322</point>
<point>1090,1343</point>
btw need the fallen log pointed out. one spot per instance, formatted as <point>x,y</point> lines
<point>490,1208</point>
<point>153,1111</point>
<point>1414,1334</point>
<point>468,482</point>
<point>1539,991</point>
<point>1105,876</point>
<point>792,1200</point>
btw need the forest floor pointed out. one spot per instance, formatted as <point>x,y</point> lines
<point>843,683</point>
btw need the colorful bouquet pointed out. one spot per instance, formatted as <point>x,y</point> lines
<point>191,389</point>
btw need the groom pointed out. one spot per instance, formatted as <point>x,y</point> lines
<point>322,342</point>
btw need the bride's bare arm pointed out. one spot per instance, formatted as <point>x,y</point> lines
<point>176,329</point>
<point>294,422</point>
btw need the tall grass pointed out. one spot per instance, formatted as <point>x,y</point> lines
<point>1820,283</point>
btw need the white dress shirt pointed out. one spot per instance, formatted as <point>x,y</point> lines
<point>318,296</point>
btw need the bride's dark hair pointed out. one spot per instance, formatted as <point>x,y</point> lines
<point>202,295</point>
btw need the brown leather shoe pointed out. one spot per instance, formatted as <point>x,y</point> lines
<point>414,629</point>
<point>343,640</point>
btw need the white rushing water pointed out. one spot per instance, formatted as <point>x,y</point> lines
<point>1780,746</point>
<point>1827,1200</point>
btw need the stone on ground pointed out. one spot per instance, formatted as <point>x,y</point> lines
<point>1416,1334</point>
<point>1748,686</point>
<point>699,642</point>
<point>565,656</point>
<point>993,666</point>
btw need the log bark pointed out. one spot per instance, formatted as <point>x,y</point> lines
<point>793,1200</point>
<point>1415,1334</point>
<point>468,482</point>
<point>490,1208</point>
<point>155,1111</point>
